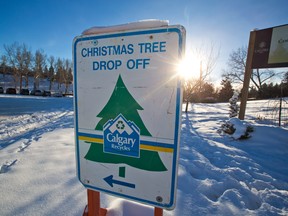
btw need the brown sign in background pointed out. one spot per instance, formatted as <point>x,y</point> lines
<point>271,48</point>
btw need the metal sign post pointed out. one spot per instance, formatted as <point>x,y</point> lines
<point>93,207</point>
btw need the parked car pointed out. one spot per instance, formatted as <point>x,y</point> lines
<point>10,91</point>
<point>1,90</point>
<point>46,93</point>
<point>36,92</point>
<point>24,92</point>
<point>57,94</point>
<point>32,92</point>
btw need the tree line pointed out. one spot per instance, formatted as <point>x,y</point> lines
<point>21,63</point>
<point>199,89</point>
<point>209,93</point>
<point>261,85</point>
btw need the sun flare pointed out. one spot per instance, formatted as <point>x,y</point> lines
<point>189,67</point>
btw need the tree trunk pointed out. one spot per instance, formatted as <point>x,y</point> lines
<point>186,107</point>
<point>20,82</point>
<point>50,85</point>
<point>26,81</point>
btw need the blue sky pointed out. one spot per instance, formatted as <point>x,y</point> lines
<point>51,25</point>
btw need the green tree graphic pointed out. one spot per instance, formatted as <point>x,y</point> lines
<point>122,102</point>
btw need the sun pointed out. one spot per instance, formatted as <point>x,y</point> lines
<point>189,66</point>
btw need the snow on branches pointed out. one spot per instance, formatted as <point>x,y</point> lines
<point>234,108</point>
<point>235,127</point>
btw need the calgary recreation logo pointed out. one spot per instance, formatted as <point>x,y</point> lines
<point>121,137</point>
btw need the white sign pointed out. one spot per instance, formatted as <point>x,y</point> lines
<point>278,52</point>
<point>127,112</point>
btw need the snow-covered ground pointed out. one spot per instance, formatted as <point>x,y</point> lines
<point>217,175</point>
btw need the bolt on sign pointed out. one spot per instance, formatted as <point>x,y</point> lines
<point>271,48</point>
<point>127,112</point>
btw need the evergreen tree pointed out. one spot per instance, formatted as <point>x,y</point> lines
<point>207,90</point>
<point>226,92</point>
<point>122,102</point>
<point>45,72</point>
<point>234,108</point>
<point>284,85</point>
<point>39,65</point>
<point>51,77</point>
<point>271,91</point>
<point>253,93</point>
<point>285,78</point>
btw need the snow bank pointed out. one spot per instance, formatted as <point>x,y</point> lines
<point>142,24</point>
<point>121,207</point>
<point>239,126</point>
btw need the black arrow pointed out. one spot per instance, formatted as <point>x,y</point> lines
<point>111,181</point>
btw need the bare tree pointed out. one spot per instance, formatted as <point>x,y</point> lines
<point>12,60</point>
<point>208,56</point>
<point>39,65</point>
<point>22,63</point>
<point>236,70</point>
<point>26,57</point>
<point>19,58</point>
<point>4,65</point>
<point>236,65</point>
<point>67,75</point>
<point>59,72</point>
<point>51,61</point>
